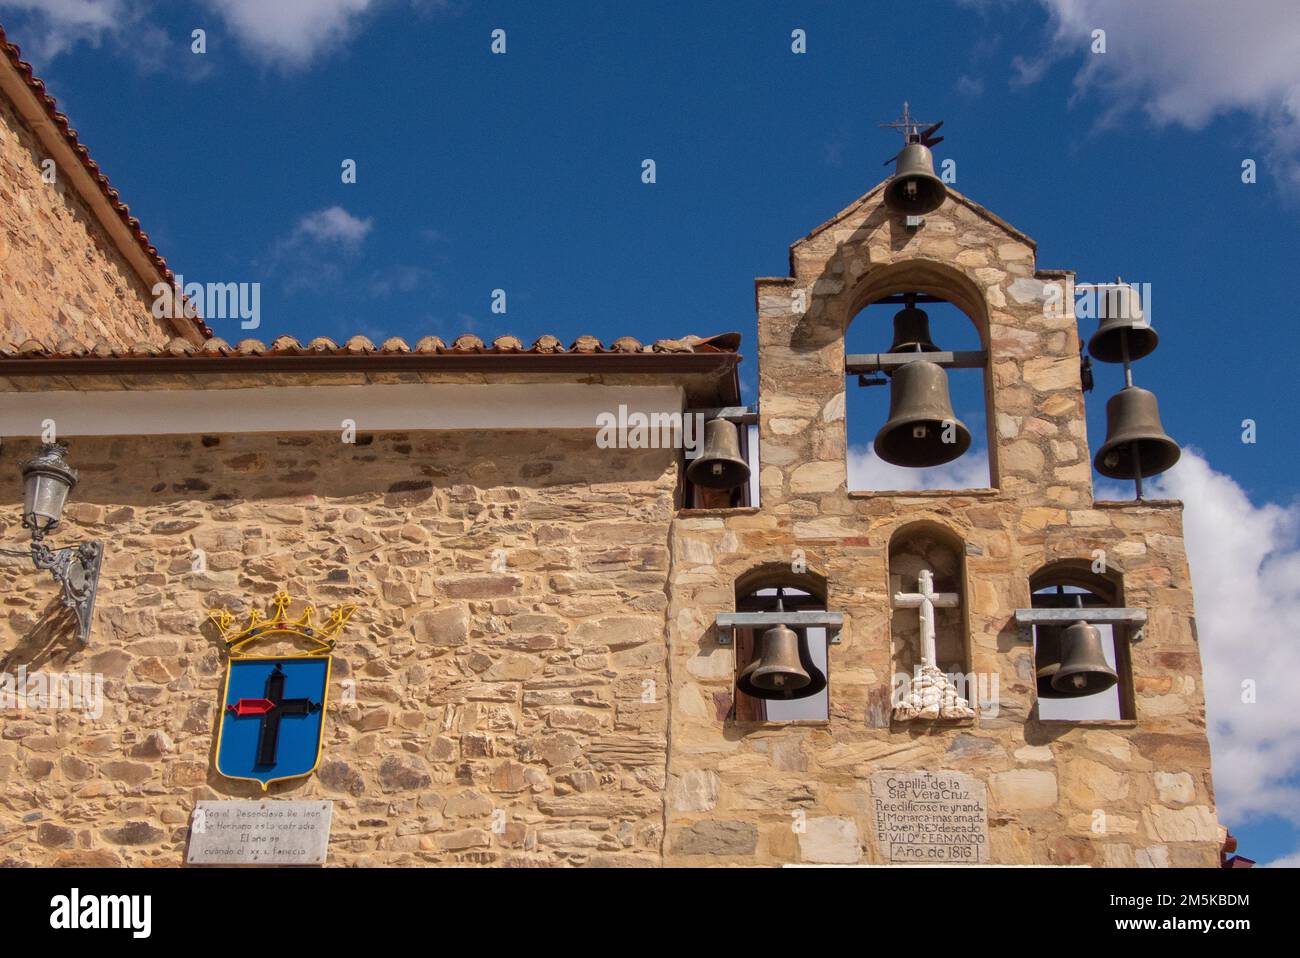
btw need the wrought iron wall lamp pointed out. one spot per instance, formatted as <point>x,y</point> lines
<point>47,480</point>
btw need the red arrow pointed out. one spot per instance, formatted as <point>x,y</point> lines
<point>251,707</point>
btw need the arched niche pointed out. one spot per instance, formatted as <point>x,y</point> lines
<point>872,333</point>
<point>756,590</point>
<point>928,545</point>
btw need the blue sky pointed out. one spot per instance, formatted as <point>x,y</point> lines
<point>522,171</point>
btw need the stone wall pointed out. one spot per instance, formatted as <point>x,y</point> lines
<point>539,691</point>
<point>1107,793</point>
<point>62,277</point>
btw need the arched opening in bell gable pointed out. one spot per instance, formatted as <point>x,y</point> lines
<point>922,423</point>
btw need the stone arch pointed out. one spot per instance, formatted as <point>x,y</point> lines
<point>771,575</point>
<point>919,275</point>
<point>1077,572</point>
<point>945,282</point>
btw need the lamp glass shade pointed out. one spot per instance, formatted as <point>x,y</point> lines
<point>47,480</point>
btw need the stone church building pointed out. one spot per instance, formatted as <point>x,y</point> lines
<point>543,633</point>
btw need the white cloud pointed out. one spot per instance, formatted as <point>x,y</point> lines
<point>51,27</point>
<point>315,253</point>
<point>1245,563</point>
<point>333,224</point>
<point>290,33</point>
<point>866,473</point>
<point>1187,63</point>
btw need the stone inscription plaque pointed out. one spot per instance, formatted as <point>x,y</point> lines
<point>930,818</point>
<point>259,833</point>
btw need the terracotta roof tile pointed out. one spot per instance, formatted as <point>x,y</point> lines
<point>60,121</point>
<point>466,345</point>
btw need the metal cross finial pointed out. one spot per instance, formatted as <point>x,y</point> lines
<point>910,127</point>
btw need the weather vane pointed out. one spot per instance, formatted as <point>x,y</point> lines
<point>910,127</point>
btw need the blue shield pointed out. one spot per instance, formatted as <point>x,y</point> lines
<point>272,717</point>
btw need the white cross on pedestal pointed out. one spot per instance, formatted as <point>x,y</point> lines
<point>927,600</point>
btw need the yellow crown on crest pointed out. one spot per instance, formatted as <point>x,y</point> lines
<point>320,634</point>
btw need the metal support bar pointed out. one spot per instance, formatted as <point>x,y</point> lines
<point>728,622</point>
<point>859,363</point>
<point>901,299</point>
<point>1027,618</point>
<point>740,415</point>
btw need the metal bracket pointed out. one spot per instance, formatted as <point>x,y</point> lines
<point>860,363</point>
<point>76,569</point>
<point>1028,618</point>
<point>728,622</point>
<point>740,415</point>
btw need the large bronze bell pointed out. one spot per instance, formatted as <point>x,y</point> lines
<point>1119,310</point>
<point>920,419</point>
<point>1133,426</point>
<point>912,332</point>
<point>1083,669</point>
<point>914,189</point>
<point>719,464</point>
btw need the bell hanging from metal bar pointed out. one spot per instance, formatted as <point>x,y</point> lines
<point>922,429</point>
<point>1119,308</point>
<point>782,667</point>
<point>914,189</point>
<point>912,331</point>
<point>1083,669</point>
<point>719,464</point>
<point>1134,437</point>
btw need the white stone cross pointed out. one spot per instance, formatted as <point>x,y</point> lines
<point>927,600</point>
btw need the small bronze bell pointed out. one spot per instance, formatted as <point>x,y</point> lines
<point>720,464</point>
<point>1133,424</point>
<point>1119,310</point>
<point>1083,669</point>
<point>782,667</point>
<point>912,332</point>
<point>922,429</point>
<point>914,189</point>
